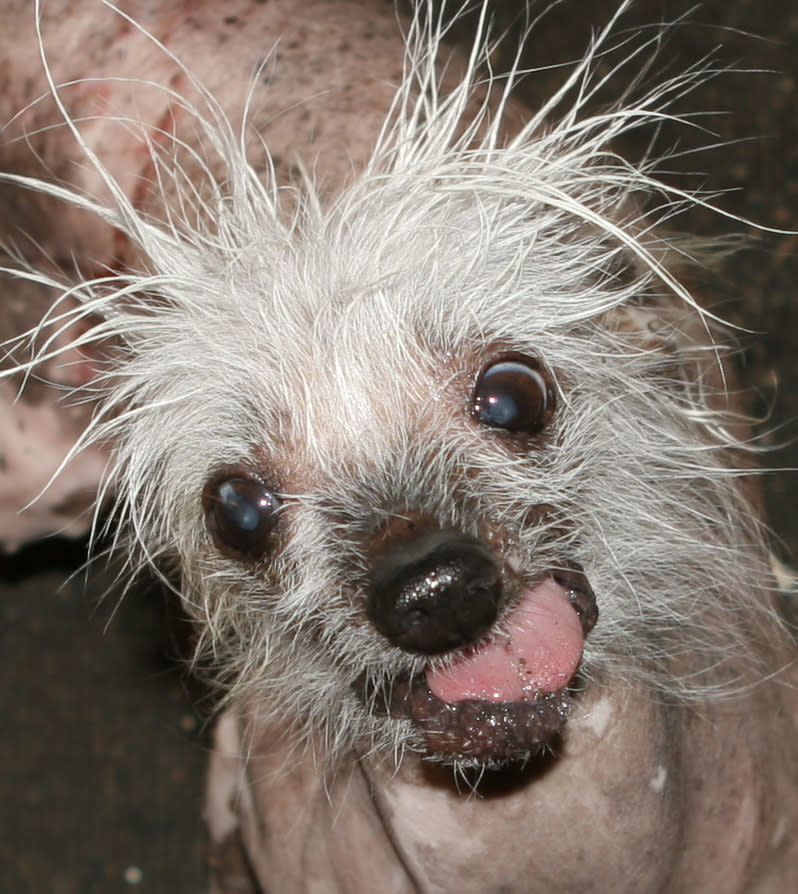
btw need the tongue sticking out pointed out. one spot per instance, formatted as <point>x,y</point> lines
<point>540,652</point>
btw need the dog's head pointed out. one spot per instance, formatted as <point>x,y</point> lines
<point>437,457</point>
<point>408,452</point>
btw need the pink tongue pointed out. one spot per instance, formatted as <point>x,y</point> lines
<point>540,653</point>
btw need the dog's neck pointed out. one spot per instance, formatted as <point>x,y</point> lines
<point>678,810</point>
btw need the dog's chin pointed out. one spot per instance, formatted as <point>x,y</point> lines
<point>474,731</point>
<point>507,698</point>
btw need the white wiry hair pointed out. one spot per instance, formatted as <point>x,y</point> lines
<point>331,348</point>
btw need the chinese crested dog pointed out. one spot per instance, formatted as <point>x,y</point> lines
<point>408,393</point>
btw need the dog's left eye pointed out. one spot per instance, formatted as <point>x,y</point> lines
<point>513,394</point>
<point>241,514</point>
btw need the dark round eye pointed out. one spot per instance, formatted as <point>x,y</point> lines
<point>241,514</point>
<point>513,394</point>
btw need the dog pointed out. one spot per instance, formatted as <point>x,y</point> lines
<point>413,399</point>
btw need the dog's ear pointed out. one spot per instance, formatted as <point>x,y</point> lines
<point>691,343</point>
<point>696,355</point>
<point>44,411</point>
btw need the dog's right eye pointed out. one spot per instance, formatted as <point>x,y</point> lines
<point>241,514</point>
<point>513,394</point>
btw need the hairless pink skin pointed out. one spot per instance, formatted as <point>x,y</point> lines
<point>642,797</point>
<point>40,423</point>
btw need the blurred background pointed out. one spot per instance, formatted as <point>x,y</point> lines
<point>104,733</point>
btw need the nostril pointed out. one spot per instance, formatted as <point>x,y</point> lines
<point>435,592</point>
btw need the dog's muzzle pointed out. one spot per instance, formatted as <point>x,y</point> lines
<point>496,687</point>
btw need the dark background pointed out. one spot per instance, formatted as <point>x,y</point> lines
<point>104,739</point>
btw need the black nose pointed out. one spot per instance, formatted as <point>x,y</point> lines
<point>435,591</point>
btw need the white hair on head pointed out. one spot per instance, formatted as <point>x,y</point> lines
<point>271,329</point>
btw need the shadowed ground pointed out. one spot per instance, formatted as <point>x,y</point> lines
<point>102,747</point>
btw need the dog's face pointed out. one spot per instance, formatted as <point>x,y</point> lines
<point>399,521</point>
<point>425,479</point>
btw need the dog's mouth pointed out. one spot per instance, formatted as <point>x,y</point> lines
<point>508,695</point>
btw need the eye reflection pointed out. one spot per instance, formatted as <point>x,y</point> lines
<point>241,514</point>
<point>512,394</point>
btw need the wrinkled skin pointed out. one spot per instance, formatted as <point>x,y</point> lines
<point>640,796</point>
